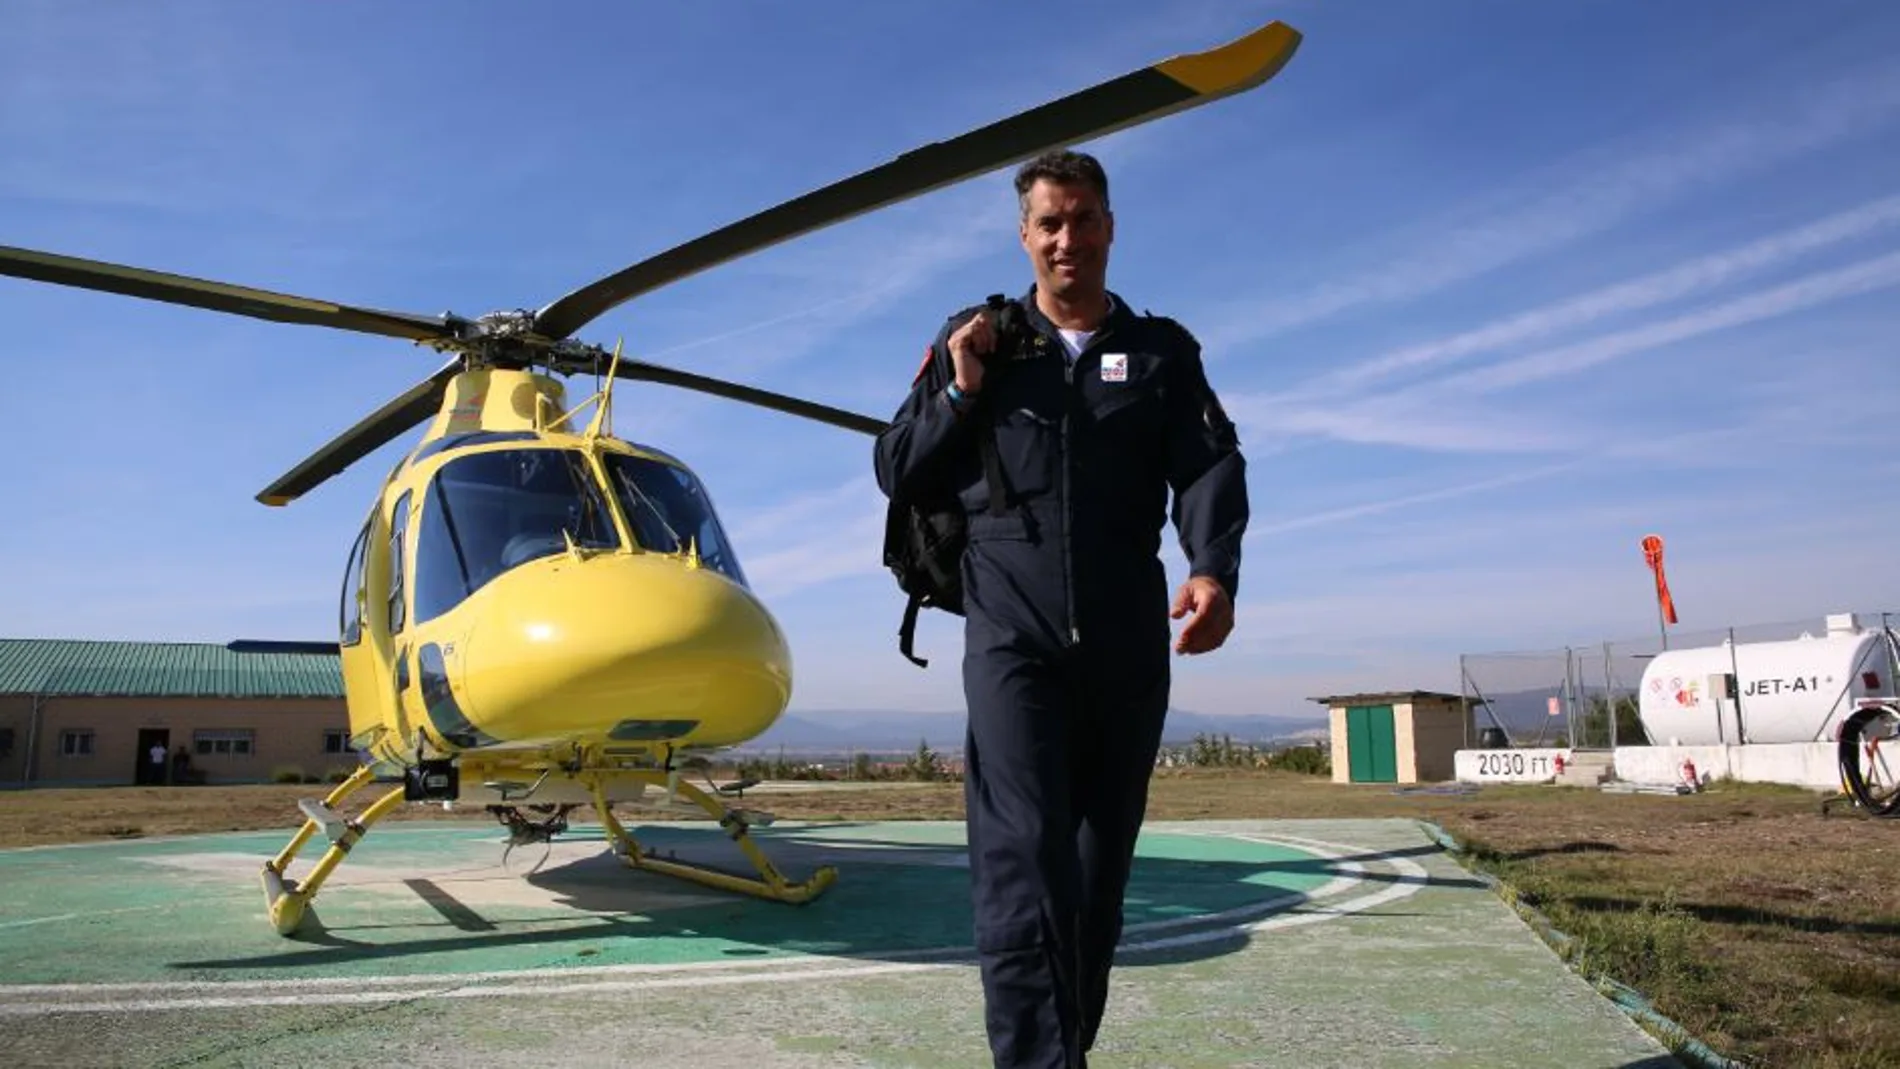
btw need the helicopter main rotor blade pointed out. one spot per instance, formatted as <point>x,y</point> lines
<point>216,296</point>
<point>371,433</point>
<point>1173,85</point>
<point>640,371</point>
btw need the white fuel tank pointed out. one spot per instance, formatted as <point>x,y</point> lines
<point>1793,691</point>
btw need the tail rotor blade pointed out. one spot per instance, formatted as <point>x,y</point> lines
<point>1170,86</point>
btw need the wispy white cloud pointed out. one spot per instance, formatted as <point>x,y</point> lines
<point>1823,287</point>
<point>1460,428</point>
<point>1446,413</point>
<point>817,538</point>
<point>761,526</point>
<point>1423,497</point>
<point>1683,280</point>
<point>1808,408</point>
<point>1584,196</point>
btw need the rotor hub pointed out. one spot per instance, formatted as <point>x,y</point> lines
<point>509,339</point>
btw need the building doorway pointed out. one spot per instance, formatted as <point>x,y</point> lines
<point>153,773</point>
<point>1372,748</point>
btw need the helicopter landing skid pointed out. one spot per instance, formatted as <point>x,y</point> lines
<point>287,899</point>
<point>770,884</point>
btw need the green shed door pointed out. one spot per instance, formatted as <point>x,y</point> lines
<point>1372,745</point>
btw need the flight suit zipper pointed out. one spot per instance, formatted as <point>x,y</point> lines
<point>1071,401</point>
<point>1068,546</point>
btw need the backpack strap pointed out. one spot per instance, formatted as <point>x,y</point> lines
<point>1010,325</point>
<point>907,632</point>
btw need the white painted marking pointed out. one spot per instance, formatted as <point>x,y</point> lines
<point>29,922</point>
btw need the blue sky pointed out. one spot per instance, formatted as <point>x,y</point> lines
<point>1492,289</point>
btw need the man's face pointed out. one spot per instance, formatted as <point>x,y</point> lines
<point>1067,232</point>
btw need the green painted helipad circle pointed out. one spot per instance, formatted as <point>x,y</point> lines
<point>415,900</point>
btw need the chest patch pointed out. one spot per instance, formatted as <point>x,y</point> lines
<point>1115,367</point>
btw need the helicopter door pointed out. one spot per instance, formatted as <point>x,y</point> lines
<point>359,658</point>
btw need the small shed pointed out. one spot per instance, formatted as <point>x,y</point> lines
<point>1396,736</point>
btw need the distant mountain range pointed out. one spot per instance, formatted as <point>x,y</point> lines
<point>839,730</point>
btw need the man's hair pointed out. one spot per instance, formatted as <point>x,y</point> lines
<point>1061,166</point>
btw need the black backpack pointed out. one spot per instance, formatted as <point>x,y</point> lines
<point>924,540</point>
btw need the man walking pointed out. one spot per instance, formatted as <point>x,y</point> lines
<point>1098,412</point>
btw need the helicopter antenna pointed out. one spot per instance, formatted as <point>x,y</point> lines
<point>604,397</point>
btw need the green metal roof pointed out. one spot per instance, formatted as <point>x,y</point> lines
<point>74,668</point>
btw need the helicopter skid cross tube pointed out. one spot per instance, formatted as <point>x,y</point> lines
<point>771,883</point>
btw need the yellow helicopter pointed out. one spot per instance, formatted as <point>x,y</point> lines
<point>540,616</point>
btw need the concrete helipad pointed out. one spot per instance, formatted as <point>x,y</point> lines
<point>1255,943</point>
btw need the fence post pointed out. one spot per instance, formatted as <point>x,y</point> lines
<point>1570,702</point>
<point>1610,710</point>
<point>1610,696</point>
<point>1464,692</point>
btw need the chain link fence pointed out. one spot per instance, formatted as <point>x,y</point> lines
<point>1586,697</point>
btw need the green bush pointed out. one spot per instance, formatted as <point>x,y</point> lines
<point>1308,760</point>
<point>287,774</point>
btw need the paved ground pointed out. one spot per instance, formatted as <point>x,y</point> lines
<point>1250,943</point>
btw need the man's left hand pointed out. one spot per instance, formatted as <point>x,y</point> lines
<point>1213,617</point>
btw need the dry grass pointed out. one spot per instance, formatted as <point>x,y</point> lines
<point>1765,928</point>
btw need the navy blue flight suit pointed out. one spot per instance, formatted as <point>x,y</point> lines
<point>1067,636</point>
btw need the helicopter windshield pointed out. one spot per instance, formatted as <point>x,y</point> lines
<point>486,513</point>
<point>666,506</point>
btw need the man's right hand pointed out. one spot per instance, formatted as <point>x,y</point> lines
<point>968,346</point>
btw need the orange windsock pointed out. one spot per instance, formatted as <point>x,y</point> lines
<point>1653,556</point>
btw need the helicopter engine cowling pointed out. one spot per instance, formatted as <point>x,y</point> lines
<point>620,649</point>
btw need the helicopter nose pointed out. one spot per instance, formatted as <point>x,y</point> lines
<point>625,648</point>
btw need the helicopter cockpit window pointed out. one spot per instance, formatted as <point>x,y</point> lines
<point>349,609</point>
<point>667,507</point>
<point>486,513</point>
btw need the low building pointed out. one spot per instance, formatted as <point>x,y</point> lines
<point>98,713</point>
<point>1396,736</point>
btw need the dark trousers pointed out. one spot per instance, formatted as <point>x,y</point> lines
<point>1058,757</point>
